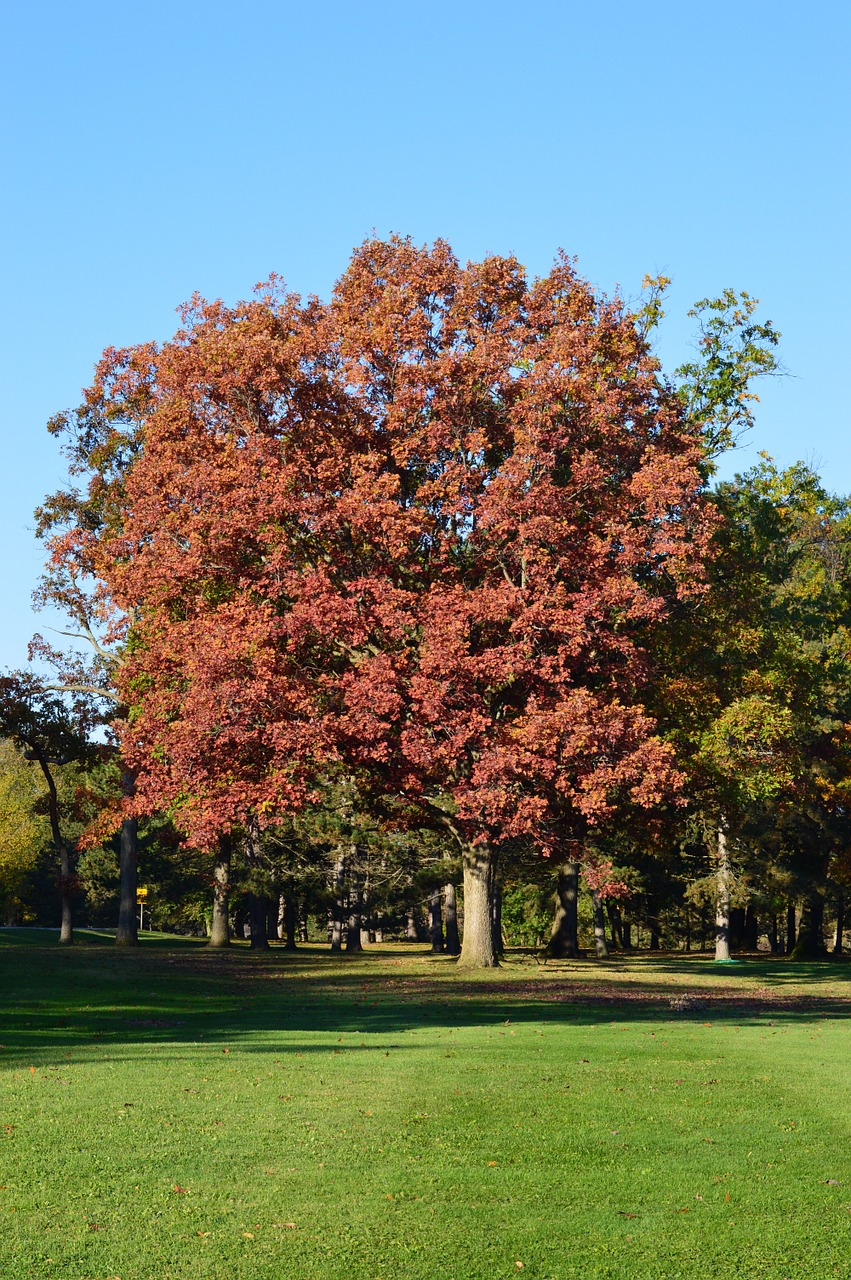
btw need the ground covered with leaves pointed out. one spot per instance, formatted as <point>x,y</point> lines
<point>180,1113</point>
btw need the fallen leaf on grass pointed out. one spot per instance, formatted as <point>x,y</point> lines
<point>627,1215</point>
<point>289,1226</point>
<point>181,1191</point>
<point>202,1234</point>
<point>831,1182</point>
<point>249,1235</point>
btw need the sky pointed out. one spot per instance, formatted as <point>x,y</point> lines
<point>155,149</point>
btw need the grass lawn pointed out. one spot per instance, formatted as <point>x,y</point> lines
<point>178,1113</point>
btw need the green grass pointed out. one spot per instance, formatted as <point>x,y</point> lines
<point>178,1113</point>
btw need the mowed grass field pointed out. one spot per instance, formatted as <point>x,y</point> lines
<point>179,1113</point>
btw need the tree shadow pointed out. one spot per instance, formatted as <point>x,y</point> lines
<point>60,1002</point>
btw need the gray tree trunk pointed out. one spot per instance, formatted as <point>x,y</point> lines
<point>564,939</point>
<point>599,926</point>
<point>63,854</point>
<point>450,900</point>
<point>66,892</point>
<point>127,933</point>
<point>840,924</point>
<point>722,895</point>
<point>496,917</point>
<point>435,922</point>
<point>339,905</point>
<point>288,919</point>
<point>477,947</point>
<point>220,925</point>
<point>302,919</point>
<point>353,930</point>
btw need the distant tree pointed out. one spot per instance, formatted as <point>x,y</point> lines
<point>101,439</point>
<point>51,734</point>
<point>756,693</point>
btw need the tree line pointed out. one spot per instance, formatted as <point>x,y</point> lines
<point>427,595</point>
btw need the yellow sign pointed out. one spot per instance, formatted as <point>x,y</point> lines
<point>141,894</point>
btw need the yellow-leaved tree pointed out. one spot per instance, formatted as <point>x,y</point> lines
<point>23,830</point>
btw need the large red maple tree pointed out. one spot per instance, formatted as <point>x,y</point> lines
<point>420,535</point>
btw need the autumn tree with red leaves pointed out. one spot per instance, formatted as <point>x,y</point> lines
<point>418,537</point>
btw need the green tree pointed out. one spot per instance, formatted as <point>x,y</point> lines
<point>23,829</point>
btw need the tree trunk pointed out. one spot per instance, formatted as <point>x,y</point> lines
<point>257,922</point>
<point>339,905</point>
<point>477,947</point>
<point>840,924</point>
<point>127,933</point>
<point>66,882</point>
<point>722,896</point>
<point>271,919</point>
<point>453,941</point>
<point>302,919</point>
<point>773,936</point>
<point>615,923</point>
<point>751,929</point>
<point>654,936</point>
<point>411,926</point>
<point>288,919</point>
<point>496,918</point>
<point>353,942</point>
<point>66,894</point>
<point>220,927</point>
<point>564,939</point>
<point>435,922</point>
<point>599,926</point>
<point>810,941</point>
<point>790,928</point>
<point>626,930</point>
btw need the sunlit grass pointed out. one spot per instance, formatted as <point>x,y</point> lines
<point>181,1113</point>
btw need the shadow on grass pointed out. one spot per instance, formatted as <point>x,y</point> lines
<point>179,991</point>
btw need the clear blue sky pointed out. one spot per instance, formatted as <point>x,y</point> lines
<point>153,149</point>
